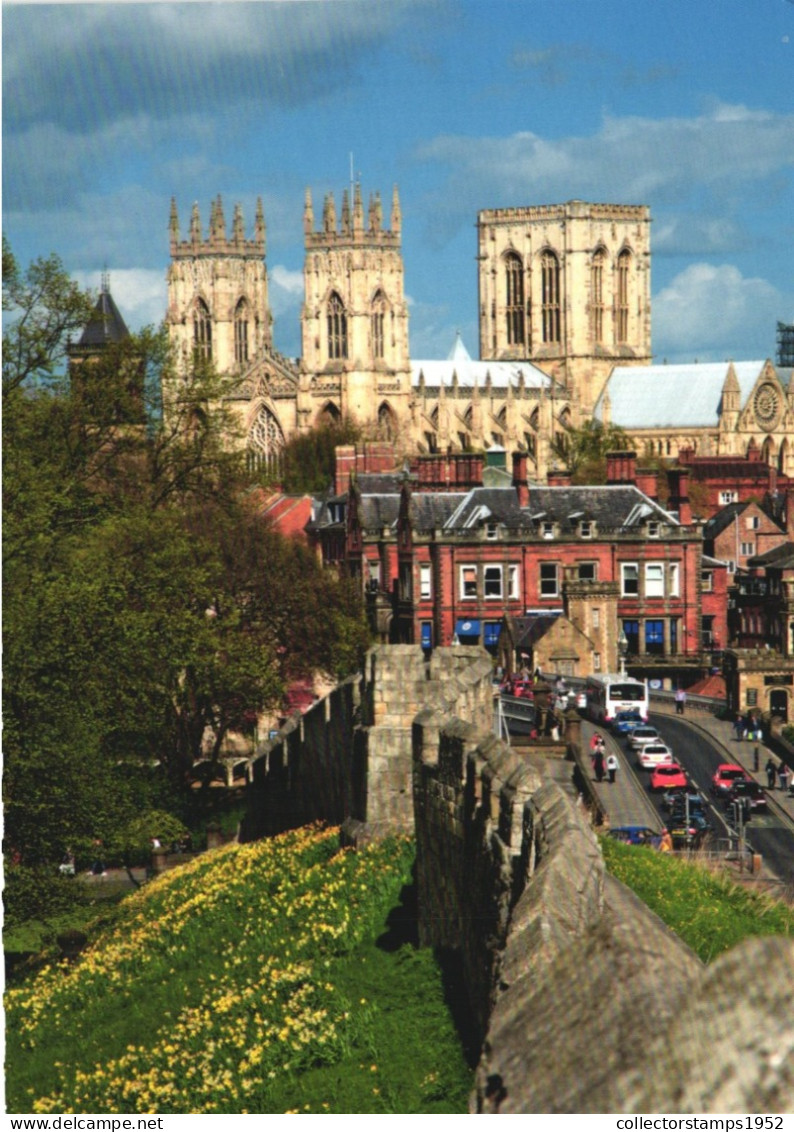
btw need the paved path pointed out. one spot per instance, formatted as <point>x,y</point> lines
<point>624,801</point>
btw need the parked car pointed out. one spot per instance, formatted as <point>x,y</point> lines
<point>725,776</point>
<point>654,754</point>
<point>746,788</point>
<point>626,721</point>
<point>635,835</point>
<point>642,735</point>
<point>667,775</point>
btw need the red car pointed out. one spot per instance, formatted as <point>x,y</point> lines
<point>666,776</point>
<point>725,776</point>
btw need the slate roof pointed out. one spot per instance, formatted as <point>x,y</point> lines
<point>717,523</point>
<point>679,396</point>
<point>377,511</point>
<point>611,507</point>
<point>106,324</point>
<point>470,372</point>
<point>779,557</point>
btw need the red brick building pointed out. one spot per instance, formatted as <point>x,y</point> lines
<point>445,565</point>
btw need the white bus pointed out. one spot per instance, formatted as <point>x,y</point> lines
<point>609,694</point>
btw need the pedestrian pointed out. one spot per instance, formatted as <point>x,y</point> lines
<point>98,867</point>
<point>612,766</point>
<point>748,726</point>
<point>598,764</point>
<point>783,773</point>
<point>666,842</point>
<point>738,727</point>
<point>680,701</point>
<point>595,742</point>
<point>771,771</point>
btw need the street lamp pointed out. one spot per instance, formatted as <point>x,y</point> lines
<point>623,648</point>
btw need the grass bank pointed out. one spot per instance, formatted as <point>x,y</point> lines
<point>265,978</point>
<point>705,907</point>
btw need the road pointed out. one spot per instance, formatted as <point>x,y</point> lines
<point>767,833</point>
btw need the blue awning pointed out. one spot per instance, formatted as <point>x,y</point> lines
<point>467,628</point>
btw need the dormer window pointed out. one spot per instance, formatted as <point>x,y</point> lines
<point>492,531</point>
<point>586,528</point>
<point>547,530</point>
<point>654,529</point>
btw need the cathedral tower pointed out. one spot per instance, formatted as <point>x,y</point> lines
<point>567,287</point>
<point>354,321</point>
<point>217,290</point>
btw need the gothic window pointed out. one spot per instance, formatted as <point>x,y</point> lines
<point>202,330</point>
<point>597,295</point>
<point>624,268</point>
<point>387,424</point>
<point>550,295</point>
<point>241,332</point>
<point>330,415</point>
<point>379,309</point>
<point>265,440</point>
<point>337,328</point>
<point>514,306</point>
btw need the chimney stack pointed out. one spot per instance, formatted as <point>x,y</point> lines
<point>520,480</point>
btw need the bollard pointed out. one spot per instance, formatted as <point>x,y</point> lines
<point>756,864</point>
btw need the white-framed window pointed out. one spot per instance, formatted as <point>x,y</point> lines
<point>674,589</point>
<point>586,528</point>
<point>549,579</point>
<point>374,572</point>
<point>492,582</point>
<point>731,566</point>
<point>595,617</point>
<point>747,549</point>
<point>425,582</point>
<point>468,582</point>
<point>707,581</point>
<point>547,530</point>
<point>654,579</point>
<point>753,522</point>
<point>587,572</point>
<point>654,529</point>
<point>629,579</point>
<point>729,496</point>
<point>491,531</point>
<point>596,661</point>
<point>513,582</point>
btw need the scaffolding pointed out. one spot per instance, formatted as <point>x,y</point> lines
<point>785,345</point>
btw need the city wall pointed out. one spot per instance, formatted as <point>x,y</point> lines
<point>574,986</point>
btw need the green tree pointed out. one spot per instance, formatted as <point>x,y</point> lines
<point>308,460</point>
<point>584,450</point>
<point>147,608</point>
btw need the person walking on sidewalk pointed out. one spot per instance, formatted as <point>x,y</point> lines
<point>598,763</point>
<point>783,773</point>
<point>612,766</point>
<point>680,701</point>
<point>771,773</point>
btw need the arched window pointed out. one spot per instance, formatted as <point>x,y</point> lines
<point>202,330</point>
<point>337,328</point>
<point>387,422</point>
<point>624,270</point>
<point>241,332</point>
<point>378,319</point>
<point>331,415</point>
<point>265,440</point>
<point>597,295</point>
<point>514,300</point>
<point>550,295</point>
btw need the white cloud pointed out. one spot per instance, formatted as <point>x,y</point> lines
<point>714,312</point>
<point>139,294</point>
<point>286,280</point>
<point>665,161</point>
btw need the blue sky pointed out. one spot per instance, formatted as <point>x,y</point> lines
<point>109,110</point>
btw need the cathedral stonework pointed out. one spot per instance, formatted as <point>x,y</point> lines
<point>565,337</point>
<point>567,287</point>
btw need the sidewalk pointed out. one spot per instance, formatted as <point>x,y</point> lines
<point>738,751</point>
<point>624,802</point>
